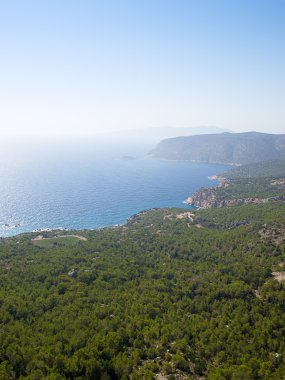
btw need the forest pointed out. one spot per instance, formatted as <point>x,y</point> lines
<point>271,168</point>
<point>173,294</point>
<point>258,180</point>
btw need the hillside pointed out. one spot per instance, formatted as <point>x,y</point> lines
<point>171,295</point>
<point>225,148</point>
<point>271,168</point>
<point>256,183</point>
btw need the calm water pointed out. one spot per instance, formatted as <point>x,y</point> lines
<point>88,184</point>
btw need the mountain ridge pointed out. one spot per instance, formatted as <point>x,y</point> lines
<point>223,148</point>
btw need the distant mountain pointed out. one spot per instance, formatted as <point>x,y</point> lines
<point>226,148</point>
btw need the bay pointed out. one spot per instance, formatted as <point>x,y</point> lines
<point>88,184</point>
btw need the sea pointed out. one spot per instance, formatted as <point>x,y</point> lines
<point>88,183</point>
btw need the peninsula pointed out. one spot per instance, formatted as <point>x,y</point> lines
<point>223,148</point>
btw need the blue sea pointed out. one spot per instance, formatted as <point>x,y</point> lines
<point>88,184</point>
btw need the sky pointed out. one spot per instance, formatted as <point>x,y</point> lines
<point>85,67</point>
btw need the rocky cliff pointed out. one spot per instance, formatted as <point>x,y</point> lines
<point>207,198</point>
<point>225,194</point>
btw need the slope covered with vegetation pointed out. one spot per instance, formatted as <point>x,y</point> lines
<point>171,294</point>
<point>226,148</point>
<point>269,169</point>
<point>253,183</point>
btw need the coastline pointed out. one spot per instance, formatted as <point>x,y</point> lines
<point>158,186</point>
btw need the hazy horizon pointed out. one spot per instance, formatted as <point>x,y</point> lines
<point>152,135</point>
<point>83,69</point>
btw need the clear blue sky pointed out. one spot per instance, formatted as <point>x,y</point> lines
<point>87,66</point>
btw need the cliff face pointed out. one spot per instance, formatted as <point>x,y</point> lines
<point>225,148</point>
<point>236,192</point>
<point>207,198</point>
<point>255,183</point>
<point>203,198</point>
